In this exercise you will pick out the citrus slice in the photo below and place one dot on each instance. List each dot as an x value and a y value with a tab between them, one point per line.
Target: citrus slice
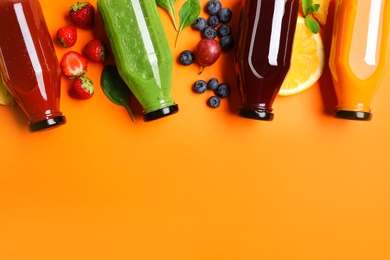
5	96
307	61
322	13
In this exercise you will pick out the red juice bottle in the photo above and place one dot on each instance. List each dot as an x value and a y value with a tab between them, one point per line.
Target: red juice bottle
28	63
263	53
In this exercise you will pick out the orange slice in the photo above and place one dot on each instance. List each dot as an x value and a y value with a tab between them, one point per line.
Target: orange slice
322	13
307	61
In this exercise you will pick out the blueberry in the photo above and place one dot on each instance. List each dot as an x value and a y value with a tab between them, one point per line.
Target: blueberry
225	15
209	32
213	21
200	86
226	42
224	30
223	90
186	57
213	7
200	24
214	102
212	84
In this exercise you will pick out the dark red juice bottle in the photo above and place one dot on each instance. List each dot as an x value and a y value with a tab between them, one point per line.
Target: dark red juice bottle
28	62
263	53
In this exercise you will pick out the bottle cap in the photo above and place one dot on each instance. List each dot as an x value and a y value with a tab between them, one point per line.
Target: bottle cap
163	112
47	123
256	114
353	115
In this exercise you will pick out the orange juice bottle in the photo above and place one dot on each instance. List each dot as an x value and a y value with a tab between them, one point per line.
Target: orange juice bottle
359	54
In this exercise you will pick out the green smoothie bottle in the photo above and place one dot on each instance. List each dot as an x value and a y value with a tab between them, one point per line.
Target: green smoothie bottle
141	52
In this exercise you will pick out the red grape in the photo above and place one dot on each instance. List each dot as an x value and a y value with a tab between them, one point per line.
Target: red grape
207	52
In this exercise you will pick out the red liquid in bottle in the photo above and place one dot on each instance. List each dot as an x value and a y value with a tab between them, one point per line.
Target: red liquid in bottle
263	53
28	63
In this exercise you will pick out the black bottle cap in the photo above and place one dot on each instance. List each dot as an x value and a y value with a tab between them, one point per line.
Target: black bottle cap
163	112
353	115
256	114
47	123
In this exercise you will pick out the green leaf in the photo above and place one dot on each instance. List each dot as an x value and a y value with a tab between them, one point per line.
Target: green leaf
115	88
316	7
309	8
306	6
169	6
313	25
188	14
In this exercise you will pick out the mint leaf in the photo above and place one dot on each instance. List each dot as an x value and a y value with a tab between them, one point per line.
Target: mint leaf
316	7
313	25
306	7
310	10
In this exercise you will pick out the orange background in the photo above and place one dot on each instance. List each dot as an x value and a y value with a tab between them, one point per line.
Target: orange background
201	184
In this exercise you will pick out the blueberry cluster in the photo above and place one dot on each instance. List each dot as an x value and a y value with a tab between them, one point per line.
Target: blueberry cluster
216	24
220	90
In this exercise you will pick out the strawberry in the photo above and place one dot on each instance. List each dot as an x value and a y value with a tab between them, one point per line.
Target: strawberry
73	64
82	88
67	35
82	14
95	50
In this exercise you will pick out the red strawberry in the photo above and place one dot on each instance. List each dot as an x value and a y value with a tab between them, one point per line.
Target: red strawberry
82	88
95	50
82	14
73	64
67	36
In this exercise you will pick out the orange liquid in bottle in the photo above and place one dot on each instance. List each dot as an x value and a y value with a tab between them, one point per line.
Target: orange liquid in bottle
359	54
28	63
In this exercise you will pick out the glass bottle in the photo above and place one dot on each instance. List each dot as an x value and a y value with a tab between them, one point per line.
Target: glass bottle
141	53
359	54
28	63
263	53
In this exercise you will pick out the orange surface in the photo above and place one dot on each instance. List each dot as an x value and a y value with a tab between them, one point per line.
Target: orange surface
202	184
